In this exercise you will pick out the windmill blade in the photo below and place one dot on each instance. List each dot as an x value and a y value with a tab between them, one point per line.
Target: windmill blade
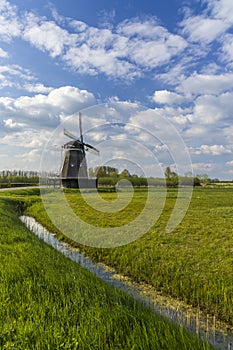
71	136
90	147
80	127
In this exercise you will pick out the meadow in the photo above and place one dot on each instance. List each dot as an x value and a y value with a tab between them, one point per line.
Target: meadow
50	302
193	263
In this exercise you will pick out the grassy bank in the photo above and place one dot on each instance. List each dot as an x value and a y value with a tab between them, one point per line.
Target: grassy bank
50	302
193	263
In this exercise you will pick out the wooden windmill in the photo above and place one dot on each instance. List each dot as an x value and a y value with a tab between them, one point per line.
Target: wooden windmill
74	172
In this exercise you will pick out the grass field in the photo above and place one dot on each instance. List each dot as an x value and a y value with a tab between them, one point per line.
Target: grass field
194	263
50	302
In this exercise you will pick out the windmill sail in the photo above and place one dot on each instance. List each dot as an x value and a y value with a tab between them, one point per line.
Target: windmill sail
80	128
71	136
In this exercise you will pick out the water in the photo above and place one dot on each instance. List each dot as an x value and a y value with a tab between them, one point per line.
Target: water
204	326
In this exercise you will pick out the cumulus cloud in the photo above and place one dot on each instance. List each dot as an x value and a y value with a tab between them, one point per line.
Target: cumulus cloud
146	36
209	30
27	123
210	109
121	53
10	124
27	138
10	25
215	150
203	167
227	48
46	35
168	97
114	51
14	76
43	110
198	84
215	20
196	131
38	88
222	9
202	29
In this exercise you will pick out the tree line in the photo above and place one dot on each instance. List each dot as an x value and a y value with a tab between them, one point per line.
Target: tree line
110	176
17	178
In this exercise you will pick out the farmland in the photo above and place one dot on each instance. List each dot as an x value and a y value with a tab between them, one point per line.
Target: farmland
50	302
194	263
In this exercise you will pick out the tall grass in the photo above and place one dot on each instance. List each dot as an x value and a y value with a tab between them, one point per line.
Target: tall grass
193	263
50	302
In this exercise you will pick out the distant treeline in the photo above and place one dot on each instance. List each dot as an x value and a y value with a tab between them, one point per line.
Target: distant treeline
144	182
18	178
109	176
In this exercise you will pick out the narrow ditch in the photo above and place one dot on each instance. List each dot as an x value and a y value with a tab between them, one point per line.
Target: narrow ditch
192	319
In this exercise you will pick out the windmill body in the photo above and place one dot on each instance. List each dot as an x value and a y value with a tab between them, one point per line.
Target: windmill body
74	166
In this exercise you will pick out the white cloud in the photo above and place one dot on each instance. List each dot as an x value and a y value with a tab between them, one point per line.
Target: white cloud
168	97
70	99
122	53
106	18
202	29
14	75
31	157
78	26
3	53
9	123
229	163
198	84
203	167
43	110
222	9
46	35
215	150
227	48
148	28
95	61
210	109
26	138
196	131
116	52
10	25
215	20
38	88
146	36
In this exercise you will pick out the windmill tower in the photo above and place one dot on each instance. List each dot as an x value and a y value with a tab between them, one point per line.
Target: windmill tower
74	166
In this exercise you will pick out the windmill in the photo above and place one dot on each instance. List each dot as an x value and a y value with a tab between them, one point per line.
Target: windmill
74	166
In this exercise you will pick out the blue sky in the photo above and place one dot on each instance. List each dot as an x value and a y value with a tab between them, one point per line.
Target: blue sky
175	58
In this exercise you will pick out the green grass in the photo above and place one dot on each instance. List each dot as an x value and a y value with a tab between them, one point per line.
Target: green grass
194	263
50	302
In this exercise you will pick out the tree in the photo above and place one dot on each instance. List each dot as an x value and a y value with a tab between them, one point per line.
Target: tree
167	173
125	173
204	179
103	171
171	177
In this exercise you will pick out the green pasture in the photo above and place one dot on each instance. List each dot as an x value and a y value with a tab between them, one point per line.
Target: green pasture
50	302
193	263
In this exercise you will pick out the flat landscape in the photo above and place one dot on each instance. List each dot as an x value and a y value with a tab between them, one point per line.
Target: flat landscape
194	263
50	302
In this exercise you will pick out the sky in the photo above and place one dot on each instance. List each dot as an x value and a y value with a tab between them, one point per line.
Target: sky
160	73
